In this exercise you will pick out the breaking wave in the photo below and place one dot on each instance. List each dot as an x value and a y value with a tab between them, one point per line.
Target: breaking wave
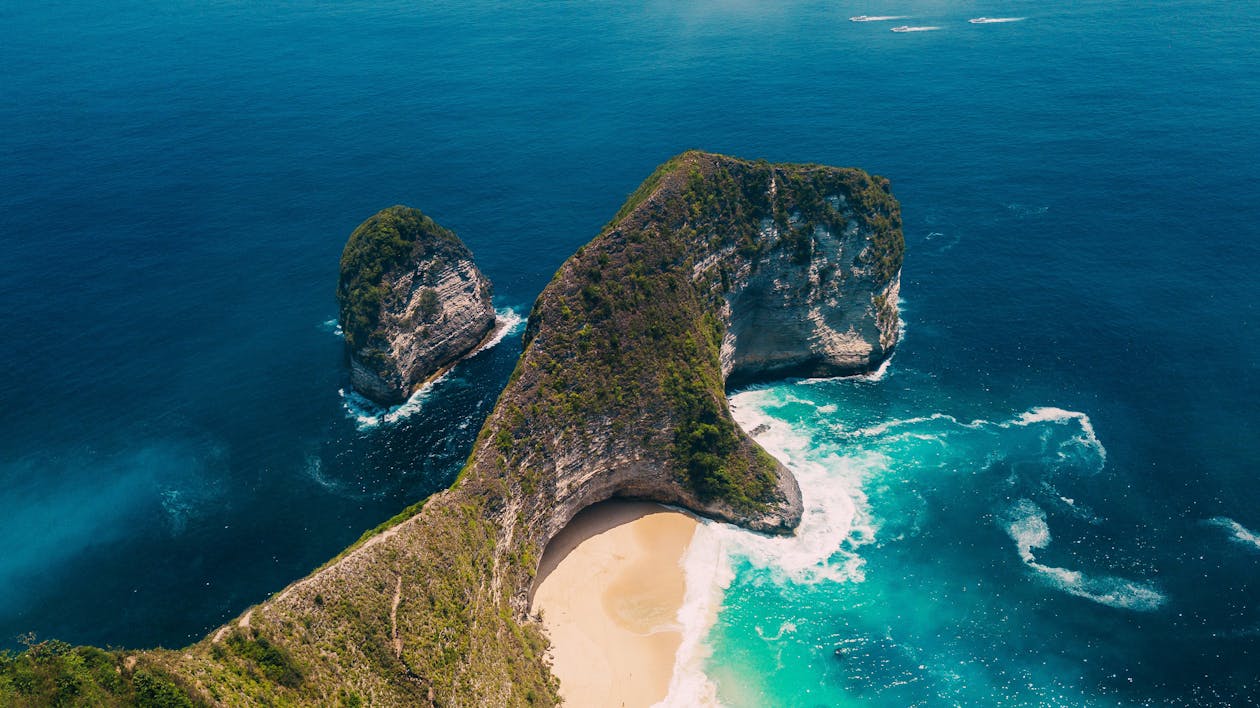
1025	523
508	322
1237	532
367	415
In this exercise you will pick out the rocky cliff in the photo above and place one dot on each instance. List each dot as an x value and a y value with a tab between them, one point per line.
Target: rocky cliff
412	303
714	268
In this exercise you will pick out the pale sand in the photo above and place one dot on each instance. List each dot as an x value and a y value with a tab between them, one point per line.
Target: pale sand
609	589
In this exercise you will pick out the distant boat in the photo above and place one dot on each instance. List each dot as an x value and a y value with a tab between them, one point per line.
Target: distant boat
978	20
907	28
992	20
875	18
902	28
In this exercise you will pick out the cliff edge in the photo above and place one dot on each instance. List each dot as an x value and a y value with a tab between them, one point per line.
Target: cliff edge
716	269
412	303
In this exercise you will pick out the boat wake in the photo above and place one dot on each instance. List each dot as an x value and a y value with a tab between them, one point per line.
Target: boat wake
877	18
993	20
906	28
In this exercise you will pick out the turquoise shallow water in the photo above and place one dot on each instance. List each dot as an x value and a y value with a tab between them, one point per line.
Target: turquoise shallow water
1079	191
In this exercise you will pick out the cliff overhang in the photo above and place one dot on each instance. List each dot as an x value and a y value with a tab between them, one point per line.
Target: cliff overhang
716	270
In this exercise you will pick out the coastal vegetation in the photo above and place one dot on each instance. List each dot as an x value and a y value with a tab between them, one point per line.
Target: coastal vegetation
620	391
379	245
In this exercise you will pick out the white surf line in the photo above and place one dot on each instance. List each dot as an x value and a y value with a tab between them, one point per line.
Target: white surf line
1238	533
507	321
368	414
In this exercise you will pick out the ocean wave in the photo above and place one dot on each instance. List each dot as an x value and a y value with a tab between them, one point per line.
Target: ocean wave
942	241
835	523
313	468
1026	524
835	520
1238	533
838	521
508	322
708	573
367	414
1088	437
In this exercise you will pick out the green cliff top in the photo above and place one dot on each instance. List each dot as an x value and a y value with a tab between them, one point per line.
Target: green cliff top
621	379
390	239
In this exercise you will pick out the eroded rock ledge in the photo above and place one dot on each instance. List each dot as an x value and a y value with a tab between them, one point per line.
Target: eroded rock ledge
412	303
715	269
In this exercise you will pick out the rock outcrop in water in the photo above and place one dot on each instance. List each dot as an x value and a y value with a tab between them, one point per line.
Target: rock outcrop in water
412	303
716	268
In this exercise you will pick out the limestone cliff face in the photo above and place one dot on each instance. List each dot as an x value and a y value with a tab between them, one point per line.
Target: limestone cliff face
724	271
715	268
412	303
831	314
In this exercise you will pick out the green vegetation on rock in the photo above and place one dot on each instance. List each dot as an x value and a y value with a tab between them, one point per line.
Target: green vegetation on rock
384	242
53	673
620	391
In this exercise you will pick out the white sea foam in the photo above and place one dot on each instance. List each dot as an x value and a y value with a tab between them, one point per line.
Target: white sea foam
1087	439
1238	533
835	523
508	322
1025	523
708	573
313	467
835	519
333	327
1024	211
869	377
943	241
367	414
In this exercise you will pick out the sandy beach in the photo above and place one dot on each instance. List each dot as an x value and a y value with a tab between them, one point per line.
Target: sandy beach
609	589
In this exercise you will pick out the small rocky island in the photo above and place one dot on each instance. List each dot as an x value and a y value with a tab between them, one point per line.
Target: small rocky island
412	303
715	270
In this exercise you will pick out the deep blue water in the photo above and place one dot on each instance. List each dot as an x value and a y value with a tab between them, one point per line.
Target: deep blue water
1081	196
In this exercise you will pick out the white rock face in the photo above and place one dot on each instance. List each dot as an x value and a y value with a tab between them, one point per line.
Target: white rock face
413	300
832	316
440	312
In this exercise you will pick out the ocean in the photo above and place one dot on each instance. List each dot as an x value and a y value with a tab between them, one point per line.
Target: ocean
1048	496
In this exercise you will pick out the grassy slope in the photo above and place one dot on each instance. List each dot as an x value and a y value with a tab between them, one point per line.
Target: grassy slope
622	347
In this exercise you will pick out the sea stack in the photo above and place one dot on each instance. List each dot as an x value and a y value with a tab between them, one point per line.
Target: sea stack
715	269
412	301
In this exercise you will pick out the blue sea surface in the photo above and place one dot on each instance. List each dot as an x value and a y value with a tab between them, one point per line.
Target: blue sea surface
1050	497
